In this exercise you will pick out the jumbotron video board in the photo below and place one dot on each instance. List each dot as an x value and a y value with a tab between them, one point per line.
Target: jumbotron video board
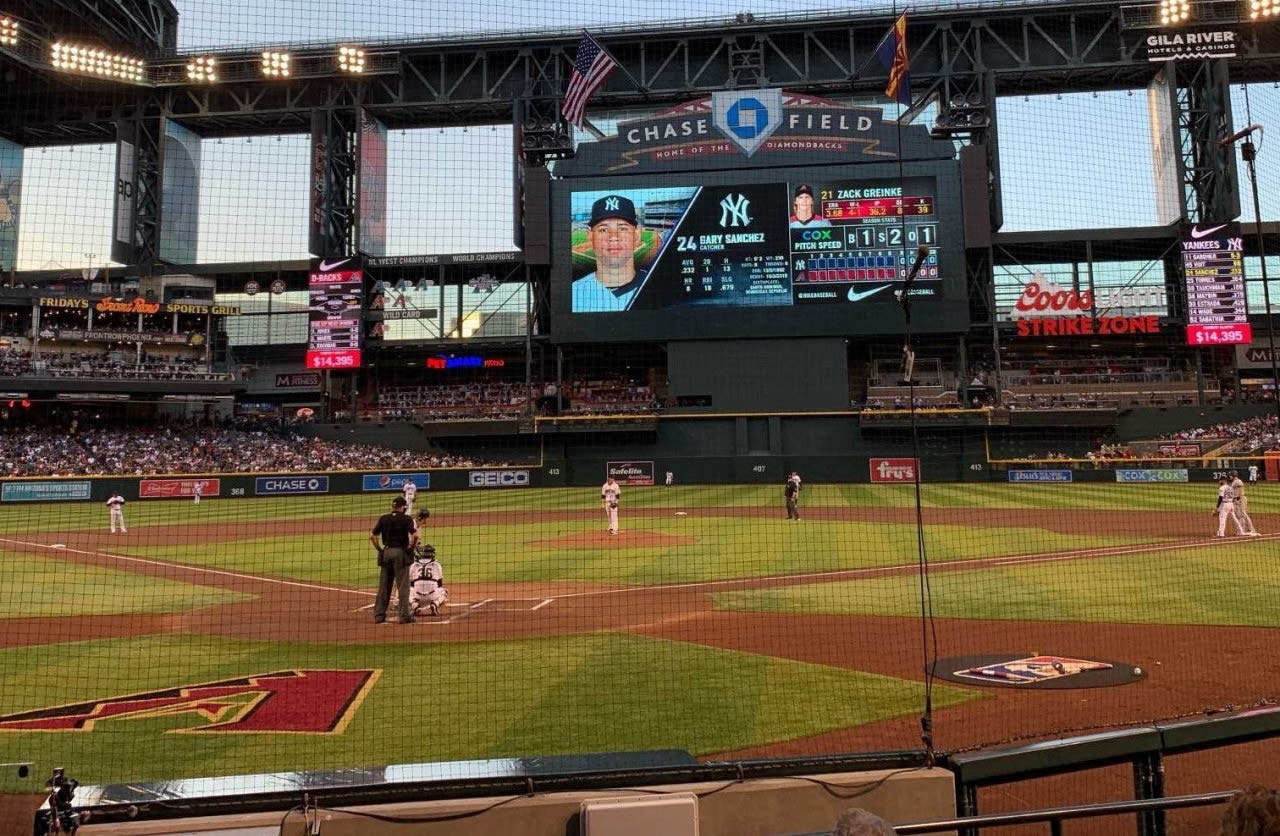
759	253
335	311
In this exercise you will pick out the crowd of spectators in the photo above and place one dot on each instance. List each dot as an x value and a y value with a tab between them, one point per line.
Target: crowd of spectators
104	365
1254	433
91	451
503	400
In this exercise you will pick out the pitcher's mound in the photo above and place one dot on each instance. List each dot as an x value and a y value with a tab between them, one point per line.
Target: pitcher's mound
604	540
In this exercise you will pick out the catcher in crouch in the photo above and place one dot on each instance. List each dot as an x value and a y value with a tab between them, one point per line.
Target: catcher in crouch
426	582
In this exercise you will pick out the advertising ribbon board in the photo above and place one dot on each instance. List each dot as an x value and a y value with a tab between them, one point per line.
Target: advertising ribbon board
269	485
1040	476
178	488
45	491
630	473
395	481
1158	475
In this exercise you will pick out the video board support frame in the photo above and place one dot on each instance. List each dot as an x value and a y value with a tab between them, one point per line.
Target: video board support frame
333	194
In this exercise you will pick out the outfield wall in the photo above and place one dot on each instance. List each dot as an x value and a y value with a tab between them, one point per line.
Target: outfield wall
631	471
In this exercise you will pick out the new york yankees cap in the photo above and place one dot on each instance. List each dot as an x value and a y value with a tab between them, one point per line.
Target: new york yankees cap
613	206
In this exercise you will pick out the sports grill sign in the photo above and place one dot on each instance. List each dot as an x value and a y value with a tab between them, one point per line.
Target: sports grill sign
1047	310
630	473
893	470
268	485
498	479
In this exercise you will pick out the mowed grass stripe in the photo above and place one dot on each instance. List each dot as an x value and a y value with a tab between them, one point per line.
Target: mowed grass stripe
548	696
720	548
35	586
1235	584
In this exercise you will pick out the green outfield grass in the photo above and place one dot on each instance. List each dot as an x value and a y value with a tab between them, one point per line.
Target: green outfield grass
723	548
32	586
1236	583
35	518
564	695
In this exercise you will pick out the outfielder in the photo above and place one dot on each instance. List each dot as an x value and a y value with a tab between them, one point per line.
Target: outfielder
196	490
1241	506
1226	507
791	492
1253	474
609	493
410	492
426	582
116	505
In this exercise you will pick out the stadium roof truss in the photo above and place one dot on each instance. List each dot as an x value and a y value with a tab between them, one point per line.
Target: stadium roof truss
1029	48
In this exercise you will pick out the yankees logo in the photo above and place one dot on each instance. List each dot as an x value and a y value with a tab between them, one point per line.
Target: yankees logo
611	204
733	210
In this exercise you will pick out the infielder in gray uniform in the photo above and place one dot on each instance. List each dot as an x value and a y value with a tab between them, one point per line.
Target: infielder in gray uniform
1241	506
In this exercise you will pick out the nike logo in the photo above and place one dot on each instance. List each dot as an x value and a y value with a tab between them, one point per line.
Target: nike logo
326	266
1197	232
855	296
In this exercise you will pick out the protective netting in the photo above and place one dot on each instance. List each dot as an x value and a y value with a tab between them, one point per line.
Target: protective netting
676	525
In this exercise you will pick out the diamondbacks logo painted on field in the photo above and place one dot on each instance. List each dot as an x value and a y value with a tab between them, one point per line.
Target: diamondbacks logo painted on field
283	702
1031	670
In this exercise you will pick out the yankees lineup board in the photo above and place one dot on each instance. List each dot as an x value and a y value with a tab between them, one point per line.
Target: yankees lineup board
819	251
1213	265
333	322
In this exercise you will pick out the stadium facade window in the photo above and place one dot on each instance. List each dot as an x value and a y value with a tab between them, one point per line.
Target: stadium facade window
266	318
1253	286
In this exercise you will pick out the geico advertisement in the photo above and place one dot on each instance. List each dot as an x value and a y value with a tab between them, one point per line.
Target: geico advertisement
498	479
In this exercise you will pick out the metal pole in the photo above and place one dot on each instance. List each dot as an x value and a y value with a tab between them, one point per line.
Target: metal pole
528	340
1250	153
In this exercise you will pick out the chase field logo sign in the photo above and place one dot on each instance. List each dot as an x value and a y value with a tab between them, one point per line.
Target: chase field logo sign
747	118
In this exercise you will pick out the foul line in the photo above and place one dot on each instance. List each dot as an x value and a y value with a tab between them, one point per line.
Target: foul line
986	562
175	565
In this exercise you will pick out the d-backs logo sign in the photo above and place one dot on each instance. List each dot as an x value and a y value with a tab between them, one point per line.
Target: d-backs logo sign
1040	671
289	701
763	126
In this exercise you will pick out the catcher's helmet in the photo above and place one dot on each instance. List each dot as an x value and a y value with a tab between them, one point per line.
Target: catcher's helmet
428	551
423	514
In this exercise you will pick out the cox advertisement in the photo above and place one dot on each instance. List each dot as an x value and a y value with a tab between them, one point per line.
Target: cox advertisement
499	479
630	473
44	491
178	488
396	481
269	485
893	470
1039	475
1159	475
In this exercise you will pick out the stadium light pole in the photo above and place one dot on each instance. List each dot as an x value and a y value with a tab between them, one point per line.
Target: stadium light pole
1249	153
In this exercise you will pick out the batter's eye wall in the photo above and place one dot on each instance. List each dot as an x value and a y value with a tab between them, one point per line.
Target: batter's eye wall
760	375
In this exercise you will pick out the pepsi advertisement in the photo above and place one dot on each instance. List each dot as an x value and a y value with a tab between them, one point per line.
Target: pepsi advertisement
817	252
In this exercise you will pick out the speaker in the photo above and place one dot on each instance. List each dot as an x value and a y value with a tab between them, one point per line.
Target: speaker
537	216
976	193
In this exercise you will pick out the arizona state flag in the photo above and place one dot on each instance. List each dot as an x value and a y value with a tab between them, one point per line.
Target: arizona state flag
892	55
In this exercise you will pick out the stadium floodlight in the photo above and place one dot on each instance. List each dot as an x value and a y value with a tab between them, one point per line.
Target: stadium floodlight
275	64
99	62
1262	9
351	59
203	68
1174	12
8	31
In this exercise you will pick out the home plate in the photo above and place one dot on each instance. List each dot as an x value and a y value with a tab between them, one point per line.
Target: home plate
58	546
682	513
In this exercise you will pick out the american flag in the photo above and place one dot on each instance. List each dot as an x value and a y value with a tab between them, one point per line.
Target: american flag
591	68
